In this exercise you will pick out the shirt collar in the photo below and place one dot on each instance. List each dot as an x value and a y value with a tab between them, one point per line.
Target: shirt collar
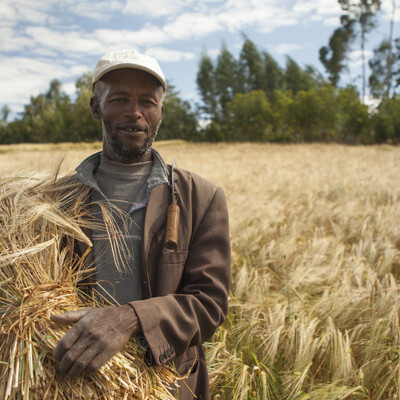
85	172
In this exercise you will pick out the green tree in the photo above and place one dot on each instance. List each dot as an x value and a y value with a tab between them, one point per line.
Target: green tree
179	120
47	116
354	120
313	115
83	126
386	122
281	109
274	77
207	87
4	113
333	57
226	82
249	117
364	13
385	69
379	64
251	67
297	79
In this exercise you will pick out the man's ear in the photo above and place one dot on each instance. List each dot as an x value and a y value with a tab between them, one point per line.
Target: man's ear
95	107
162	109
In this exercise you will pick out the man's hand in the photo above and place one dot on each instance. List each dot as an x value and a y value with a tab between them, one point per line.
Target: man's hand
97	335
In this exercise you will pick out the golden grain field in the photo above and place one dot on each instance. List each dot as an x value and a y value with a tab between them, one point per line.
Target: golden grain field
314	310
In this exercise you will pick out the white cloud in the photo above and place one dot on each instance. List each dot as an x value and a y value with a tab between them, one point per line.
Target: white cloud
321	7
287	48
331	21
99	10
43	52
262	16
8	13
22	76
355	57
155	8
148	36
192	26
66	42
166	55
13	40
69	88
41	12
214	53
32	11
305	7
387	10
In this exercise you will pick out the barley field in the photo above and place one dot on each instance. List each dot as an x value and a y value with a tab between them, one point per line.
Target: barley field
315	297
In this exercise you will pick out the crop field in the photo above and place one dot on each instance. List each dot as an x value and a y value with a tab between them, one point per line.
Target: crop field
315	296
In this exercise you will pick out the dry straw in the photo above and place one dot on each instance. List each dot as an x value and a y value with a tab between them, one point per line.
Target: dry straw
40	276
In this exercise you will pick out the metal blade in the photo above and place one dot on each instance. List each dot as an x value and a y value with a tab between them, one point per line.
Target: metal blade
172	178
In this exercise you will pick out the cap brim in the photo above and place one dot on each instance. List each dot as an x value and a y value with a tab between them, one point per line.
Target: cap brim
132	66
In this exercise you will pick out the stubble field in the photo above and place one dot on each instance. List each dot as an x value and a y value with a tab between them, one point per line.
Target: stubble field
315	229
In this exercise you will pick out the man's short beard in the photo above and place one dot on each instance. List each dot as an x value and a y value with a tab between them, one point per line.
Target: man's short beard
123	152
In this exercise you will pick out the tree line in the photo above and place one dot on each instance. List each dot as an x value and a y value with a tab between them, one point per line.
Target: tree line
252	98
53	117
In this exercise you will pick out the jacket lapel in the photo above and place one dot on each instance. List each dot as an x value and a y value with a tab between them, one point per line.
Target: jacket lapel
156	215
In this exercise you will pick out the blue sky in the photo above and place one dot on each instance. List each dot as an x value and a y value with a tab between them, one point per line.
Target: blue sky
46	39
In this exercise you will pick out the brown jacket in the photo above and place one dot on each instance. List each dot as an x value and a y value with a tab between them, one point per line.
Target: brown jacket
185	291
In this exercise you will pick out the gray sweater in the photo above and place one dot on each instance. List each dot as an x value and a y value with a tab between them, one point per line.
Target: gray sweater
124	190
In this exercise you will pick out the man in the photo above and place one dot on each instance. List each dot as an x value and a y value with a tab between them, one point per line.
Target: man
174	299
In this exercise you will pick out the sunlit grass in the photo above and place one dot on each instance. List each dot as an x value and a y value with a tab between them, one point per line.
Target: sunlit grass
315	229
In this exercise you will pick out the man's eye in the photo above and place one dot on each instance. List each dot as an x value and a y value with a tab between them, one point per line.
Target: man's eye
147	101
119	100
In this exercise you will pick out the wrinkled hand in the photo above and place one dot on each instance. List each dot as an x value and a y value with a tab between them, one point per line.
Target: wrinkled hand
97	335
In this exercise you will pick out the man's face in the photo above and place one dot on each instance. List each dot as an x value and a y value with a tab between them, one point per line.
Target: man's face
130	108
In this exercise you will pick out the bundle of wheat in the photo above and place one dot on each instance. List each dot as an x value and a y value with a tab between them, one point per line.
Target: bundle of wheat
40	276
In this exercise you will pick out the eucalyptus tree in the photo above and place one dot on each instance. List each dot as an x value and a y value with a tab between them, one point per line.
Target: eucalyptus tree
274	76
297	79
364	13
251	67
206	85
226	78
384	64
333	57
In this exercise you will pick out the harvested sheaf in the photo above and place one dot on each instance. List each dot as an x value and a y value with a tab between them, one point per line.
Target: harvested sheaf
40	276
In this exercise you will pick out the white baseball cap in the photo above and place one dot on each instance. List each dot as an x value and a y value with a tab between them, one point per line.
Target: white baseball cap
127	59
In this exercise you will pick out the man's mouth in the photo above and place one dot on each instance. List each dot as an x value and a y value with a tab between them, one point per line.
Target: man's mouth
132	128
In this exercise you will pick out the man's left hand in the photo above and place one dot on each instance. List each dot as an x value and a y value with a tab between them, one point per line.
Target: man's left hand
97	335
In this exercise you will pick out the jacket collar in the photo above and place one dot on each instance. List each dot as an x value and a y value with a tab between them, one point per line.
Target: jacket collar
85	172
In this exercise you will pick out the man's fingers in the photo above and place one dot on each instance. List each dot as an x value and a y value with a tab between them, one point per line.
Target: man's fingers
70	357
80	363
96	363
97	334
69	317
69	340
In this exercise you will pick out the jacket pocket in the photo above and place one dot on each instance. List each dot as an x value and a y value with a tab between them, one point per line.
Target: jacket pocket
170	271
173	257
187	365
187	362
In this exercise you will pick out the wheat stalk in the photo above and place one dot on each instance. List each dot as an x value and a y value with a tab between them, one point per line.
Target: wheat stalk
40	276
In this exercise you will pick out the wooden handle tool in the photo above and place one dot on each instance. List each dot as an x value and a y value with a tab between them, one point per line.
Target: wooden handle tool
171	236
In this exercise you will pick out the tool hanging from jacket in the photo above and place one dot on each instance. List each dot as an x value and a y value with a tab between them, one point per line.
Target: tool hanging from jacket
171	236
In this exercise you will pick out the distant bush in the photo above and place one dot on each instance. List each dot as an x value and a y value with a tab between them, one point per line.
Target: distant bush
386	122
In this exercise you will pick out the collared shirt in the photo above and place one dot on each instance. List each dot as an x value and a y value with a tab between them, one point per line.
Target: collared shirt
117	255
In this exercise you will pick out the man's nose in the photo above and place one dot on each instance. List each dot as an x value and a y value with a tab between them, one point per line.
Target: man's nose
133	109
